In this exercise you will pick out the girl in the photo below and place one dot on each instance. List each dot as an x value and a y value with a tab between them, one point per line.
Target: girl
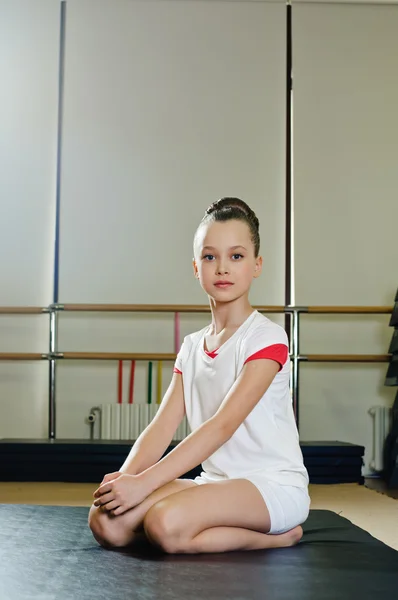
232	381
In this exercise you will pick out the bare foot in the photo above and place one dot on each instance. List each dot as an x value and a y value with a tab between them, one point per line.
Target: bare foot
290	538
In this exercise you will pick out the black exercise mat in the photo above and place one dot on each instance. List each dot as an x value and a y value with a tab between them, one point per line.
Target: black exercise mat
48	553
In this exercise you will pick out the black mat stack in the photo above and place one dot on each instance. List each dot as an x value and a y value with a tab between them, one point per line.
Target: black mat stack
89	460
391	445
333	462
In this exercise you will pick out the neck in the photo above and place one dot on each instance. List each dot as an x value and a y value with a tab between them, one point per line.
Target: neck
229	315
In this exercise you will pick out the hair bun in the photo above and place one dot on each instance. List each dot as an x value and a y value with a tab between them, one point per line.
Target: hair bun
228	203
225	204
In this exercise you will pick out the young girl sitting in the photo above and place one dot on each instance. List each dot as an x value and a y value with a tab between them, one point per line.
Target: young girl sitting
231	379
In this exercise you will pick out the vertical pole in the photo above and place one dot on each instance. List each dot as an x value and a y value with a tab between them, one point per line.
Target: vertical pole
149	399
53	310
59	149
295	352
52	377
288	182
177	334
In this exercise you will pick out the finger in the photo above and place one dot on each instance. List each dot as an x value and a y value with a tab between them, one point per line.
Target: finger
103	489
104	499
97	492
110	477
111	506
119	511
113	474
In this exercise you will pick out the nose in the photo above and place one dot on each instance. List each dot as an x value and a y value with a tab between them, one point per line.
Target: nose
222	269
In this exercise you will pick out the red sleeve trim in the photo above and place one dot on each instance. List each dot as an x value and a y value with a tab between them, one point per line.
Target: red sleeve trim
277	352
175	370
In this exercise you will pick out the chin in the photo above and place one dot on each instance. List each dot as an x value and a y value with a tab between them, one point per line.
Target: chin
225	297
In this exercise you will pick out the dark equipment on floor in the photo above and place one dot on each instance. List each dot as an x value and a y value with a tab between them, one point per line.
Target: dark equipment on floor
391	442
394	314
391	450
48	553
88	460
393	349
392	371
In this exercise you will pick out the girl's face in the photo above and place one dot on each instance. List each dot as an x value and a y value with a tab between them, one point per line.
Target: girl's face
224	260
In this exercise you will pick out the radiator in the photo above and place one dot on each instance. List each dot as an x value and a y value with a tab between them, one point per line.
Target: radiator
382	418
128	421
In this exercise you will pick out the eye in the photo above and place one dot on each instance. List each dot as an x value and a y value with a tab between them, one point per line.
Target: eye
208	257
237	256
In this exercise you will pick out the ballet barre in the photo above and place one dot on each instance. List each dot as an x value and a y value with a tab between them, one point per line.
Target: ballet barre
151	308
23	310
346	358
54	354
114	356
22	356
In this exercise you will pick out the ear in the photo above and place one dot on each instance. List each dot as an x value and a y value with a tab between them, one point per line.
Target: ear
195	268
258	267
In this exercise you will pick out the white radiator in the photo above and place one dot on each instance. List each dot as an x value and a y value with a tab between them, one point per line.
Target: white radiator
128	421
382	417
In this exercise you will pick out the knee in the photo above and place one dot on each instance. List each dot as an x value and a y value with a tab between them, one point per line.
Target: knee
162	528
103	529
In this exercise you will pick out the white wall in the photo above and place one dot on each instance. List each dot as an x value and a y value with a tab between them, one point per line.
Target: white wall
153	120
158	122
345	182
29	41
168	106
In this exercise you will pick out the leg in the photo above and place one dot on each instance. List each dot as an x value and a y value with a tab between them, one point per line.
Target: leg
125	529
227	539
214	517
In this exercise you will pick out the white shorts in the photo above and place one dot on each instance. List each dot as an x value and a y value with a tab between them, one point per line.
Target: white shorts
288	505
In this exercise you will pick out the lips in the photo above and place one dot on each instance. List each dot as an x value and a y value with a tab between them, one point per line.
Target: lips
223	284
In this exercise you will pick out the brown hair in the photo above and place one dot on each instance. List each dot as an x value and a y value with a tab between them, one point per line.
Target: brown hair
227	209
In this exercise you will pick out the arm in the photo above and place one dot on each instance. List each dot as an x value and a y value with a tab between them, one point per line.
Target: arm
155	439
251	385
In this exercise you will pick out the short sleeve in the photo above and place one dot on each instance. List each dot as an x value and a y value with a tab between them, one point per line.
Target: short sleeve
179	361
268	341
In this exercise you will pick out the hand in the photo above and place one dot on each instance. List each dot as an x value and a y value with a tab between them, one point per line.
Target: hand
111	476
119	495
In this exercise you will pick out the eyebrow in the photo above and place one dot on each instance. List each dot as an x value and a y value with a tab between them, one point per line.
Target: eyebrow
231	248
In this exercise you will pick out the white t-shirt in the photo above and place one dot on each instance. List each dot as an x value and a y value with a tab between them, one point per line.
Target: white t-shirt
267	441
